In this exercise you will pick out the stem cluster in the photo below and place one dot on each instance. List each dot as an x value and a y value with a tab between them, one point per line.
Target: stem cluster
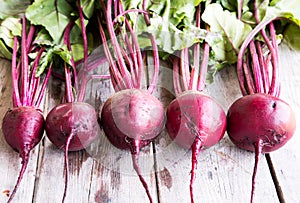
257	65
125	57
25	84
187	75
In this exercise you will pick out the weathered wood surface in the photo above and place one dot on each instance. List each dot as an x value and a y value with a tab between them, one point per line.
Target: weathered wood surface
104	174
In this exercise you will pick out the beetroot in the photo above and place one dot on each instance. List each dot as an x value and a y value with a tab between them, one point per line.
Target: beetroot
132	117
23	129
260	121
73	126
23	125
194	120
77	120
260	118
132	114
194	115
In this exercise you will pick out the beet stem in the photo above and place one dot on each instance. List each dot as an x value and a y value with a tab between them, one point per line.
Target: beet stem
258	151
136	49
135	151
195	69
255	67
176	77
275	58
69	92
240	9
30	37
203	68
263	67
117	81
156	66
133	66
34	80
243	48
24	58
70	137
22	171
184	68
85	53
116	45
196	149
67	39
43	88
16	94
146	16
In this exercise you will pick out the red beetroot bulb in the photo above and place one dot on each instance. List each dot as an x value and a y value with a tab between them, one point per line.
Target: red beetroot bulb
260	118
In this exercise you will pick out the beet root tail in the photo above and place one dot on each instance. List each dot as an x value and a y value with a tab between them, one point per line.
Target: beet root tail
258	152
196	148
135	151
70	137
24	163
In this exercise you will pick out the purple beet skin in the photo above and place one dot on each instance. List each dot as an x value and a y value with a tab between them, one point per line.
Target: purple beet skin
132	114
260	118
77	120
194	114
23	128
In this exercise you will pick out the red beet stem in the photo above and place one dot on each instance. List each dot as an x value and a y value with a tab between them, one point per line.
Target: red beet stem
116	45
203	68
70	137
196	148
15	87
146	16
136	47
240	61
25	66
240	9
176	77
156	66
85	53
118	82
24	163
258	151
135	151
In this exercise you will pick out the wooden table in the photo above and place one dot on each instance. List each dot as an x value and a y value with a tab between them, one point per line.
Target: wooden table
106	174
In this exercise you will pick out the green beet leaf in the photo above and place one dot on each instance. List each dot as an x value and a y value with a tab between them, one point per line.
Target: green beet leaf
16	8
53	15
233	32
